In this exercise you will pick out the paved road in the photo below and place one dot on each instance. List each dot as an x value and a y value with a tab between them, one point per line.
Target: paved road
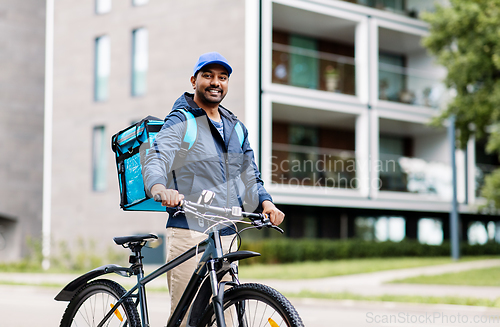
22	306
376	283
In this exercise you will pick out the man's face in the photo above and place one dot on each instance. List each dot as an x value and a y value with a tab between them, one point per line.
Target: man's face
210	84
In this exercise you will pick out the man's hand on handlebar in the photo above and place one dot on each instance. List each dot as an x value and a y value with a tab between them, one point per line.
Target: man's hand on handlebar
169	197
276	216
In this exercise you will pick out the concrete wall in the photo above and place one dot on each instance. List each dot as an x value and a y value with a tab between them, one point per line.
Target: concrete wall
22	64
179	31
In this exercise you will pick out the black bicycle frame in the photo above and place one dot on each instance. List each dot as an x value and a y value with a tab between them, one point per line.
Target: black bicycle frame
212	250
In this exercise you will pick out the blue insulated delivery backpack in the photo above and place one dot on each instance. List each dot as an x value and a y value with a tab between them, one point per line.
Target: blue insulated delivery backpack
130	146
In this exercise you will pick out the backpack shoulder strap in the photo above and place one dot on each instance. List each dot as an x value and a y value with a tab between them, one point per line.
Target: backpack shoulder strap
240	133
190	134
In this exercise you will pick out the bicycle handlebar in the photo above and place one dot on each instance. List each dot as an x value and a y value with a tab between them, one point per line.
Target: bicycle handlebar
258	219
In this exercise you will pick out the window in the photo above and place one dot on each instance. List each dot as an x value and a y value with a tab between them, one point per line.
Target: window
304	68
392	177
303	161
312	63
139	61
99	162
139	2
102	68
390	229
430	231
102	6
392	79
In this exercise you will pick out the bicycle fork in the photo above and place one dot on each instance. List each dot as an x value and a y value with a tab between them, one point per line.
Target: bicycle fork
218	294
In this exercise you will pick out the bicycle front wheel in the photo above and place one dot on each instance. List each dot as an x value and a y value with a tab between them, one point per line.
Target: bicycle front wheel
254	305
91	303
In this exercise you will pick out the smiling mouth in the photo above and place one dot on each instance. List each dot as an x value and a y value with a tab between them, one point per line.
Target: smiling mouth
214	91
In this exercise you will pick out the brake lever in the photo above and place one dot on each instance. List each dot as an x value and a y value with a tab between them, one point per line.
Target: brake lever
277	228
267	223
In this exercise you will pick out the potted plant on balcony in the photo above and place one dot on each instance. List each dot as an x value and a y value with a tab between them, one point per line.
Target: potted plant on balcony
331	78
406	96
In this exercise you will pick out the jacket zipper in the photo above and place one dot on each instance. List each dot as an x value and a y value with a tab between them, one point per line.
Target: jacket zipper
226	161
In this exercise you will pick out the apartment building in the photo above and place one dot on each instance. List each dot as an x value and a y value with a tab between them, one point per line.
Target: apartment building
337	96
22	44
347	95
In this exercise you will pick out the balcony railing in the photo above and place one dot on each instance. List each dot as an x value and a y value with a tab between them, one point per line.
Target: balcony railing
414	175
410	86
313	69
297	165
398	6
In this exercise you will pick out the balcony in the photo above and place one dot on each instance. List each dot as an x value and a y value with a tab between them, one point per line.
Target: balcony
313	50
311	166
320	154
409	86
415	175
312	69
406	73
415	158
409	8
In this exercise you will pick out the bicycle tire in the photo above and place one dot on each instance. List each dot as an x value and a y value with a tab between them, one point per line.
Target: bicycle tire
258	306
91	303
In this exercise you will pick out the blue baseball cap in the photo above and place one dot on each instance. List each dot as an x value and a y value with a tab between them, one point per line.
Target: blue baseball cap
212	58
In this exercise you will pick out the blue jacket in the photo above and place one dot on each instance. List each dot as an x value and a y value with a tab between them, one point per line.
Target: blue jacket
224	166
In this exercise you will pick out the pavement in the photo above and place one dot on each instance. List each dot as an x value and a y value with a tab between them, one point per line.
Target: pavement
41	310
376	283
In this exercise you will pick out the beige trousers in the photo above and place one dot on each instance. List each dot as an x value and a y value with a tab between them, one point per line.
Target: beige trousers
179	241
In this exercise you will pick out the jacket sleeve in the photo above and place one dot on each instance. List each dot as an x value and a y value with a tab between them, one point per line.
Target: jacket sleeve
160	158
254	185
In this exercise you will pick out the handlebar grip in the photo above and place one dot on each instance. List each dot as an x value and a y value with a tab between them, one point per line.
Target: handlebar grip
157	197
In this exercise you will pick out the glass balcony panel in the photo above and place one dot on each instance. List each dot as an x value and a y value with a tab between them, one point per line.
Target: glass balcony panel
410	8
409	86
414	175
297	66
312	166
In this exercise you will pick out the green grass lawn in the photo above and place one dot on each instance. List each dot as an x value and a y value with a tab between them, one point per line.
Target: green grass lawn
307	270
400	298
476	277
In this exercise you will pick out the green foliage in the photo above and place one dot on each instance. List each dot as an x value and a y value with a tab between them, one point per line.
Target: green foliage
299	250
484	302
81	258
31	262
85	256
465	38
341	267
491	189
474	277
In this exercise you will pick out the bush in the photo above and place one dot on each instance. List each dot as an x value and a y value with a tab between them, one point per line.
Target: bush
296	250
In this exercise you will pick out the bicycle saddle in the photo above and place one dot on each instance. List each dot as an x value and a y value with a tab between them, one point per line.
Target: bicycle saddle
120	240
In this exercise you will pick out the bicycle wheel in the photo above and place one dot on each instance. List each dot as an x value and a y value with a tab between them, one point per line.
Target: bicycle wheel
254	305
91	303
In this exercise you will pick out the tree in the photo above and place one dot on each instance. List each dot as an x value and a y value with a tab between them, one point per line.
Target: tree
465	38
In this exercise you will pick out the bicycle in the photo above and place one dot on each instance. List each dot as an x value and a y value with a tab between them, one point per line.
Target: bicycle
102	302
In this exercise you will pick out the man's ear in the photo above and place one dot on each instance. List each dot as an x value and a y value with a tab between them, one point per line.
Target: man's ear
193	81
